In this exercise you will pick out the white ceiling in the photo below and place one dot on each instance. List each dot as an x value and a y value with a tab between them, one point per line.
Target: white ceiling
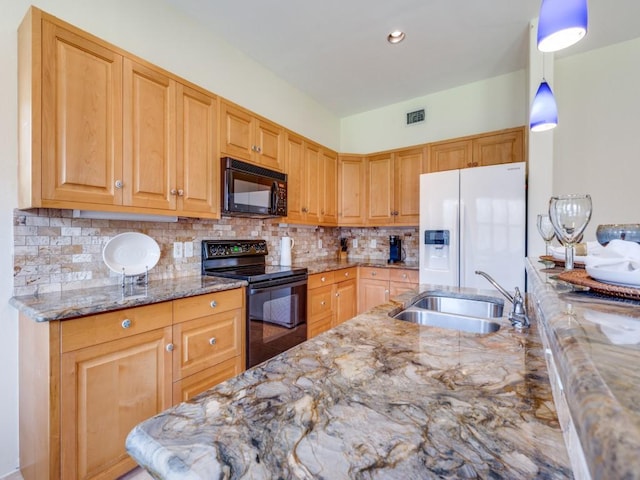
336	50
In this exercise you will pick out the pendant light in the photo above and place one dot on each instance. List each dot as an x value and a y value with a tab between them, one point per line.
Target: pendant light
561	24
544	111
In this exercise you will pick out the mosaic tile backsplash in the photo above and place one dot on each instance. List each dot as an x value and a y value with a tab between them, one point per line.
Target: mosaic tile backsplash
54	251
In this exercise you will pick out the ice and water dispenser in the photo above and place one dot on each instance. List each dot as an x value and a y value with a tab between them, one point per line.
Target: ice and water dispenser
436	249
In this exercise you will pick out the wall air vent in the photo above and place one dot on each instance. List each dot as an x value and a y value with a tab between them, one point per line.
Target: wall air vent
416	116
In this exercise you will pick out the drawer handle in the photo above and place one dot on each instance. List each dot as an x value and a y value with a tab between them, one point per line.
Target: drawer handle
212	341
213	304
170	347
126	323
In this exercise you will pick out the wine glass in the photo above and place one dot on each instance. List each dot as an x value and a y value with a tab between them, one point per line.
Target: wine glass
546	231
569	216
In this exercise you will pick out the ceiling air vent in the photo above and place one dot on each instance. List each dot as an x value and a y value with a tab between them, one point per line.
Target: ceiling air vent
416	116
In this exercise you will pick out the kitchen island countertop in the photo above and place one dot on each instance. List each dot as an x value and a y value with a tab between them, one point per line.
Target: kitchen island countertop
372	398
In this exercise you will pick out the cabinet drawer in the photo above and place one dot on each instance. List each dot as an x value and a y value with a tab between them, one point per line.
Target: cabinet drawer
318	325
207	341
320	279
346	274
401	275
192	385
95	329
375	273
203	305
320	301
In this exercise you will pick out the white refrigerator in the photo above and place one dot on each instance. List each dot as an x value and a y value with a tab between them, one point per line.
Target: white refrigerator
473	219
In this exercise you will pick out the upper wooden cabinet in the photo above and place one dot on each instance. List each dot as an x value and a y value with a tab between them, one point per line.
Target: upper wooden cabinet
311	182
249	137
103	130
504	146
393	187
351	190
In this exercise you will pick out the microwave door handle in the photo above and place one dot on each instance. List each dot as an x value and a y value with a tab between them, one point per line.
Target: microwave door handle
274	197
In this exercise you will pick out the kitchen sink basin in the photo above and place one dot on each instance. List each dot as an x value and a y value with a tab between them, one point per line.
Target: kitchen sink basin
447	320
462	304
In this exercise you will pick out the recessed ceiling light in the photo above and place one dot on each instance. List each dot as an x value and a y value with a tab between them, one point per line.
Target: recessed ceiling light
395	37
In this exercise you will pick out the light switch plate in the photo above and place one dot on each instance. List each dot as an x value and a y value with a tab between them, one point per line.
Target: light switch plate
177	249
355	243
319	243
373	243
188	249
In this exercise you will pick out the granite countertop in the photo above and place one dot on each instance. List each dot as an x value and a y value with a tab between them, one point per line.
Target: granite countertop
88	301
595	342
334	264
372	398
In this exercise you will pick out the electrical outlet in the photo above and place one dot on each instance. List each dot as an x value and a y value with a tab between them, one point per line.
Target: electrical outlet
373	243
188	249
319	243
177	249
354	243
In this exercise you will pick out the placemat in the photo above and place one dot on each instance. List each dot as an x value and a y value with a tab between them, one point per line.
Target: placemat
558	262
580	277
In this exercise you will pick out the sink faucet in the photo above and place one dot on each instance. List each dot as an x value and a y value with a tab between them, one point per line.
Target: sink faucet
517	315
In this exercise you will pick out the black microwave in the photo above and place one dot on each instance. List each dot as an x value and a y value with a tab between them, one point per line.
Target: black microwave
252	191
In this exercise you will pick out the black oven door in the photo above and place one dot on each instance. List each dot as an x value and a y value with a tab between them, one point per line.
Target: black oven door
276	317
249	194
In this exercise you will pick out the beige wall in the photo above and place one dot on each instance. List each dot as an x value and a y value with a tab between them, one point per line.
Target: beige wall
597	141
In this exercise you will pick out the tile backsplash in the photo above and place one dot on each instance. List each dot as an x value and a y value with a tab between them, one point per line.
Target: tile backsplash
54	251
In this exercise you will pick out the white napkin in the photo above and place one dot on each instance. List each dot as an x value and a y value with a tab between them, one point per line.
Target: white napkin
619	255
619	329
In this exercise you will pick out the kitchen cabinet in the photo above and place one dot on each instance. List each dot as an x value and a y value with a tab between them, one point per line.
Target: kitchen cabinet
246	136
331	299
504	146
99	128
86	382
393	187
377	284
352	190
311	182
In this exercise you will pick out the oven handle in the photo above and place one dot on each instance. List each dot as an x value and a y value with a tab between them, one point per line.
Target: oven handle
268	285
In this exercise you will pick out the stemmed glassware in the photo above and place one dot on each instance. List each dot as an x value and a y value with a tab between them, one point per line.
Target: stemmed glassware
569	215
546	231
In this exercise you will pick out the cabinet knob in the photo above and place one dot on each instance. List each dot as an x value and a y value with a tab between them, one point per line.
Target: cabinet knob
173	191
386	292
337	294
213	304
404	275
119	184
126	323
180	192
212	341
322	279
323	303
374	274
346	274
170	347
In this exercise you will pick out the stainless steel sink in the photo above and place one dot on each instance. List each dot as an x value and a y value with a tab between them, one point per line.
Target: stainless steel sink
462	304
447	320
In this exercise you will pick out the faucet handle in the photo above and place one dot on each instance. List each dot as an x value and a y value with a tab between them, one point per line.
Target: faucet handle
518	316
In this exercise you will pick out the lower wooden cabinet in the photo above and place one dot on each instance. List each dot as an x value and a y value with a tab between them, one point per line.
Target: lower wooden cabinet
331	299
377	284
86	382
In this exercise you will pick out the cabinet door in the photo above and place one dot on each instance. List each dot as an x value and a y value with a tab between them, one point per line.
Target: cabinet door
329	188
351	190
346	301
107	389
296	178
81	119
450	155
507	147
380	189
408	165
198	167
207	341
313	183
372	293
268	149
149	163
236	127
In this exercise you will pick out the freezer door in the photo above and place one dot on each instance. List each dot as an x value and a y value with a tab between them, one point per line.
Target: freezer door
439	193
492	225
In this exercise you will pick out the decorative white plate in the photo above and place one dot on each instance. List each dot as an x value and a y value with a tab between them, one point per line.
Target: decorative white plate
623	273
131	253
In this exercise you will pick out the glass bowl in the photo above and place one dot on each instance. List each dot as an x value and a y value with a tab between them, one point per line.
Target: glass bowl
618	231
